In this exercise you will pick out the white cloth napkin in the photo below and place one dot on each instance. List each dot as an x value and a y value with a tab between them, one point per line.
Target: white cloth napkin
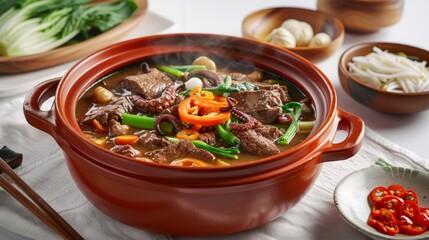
44	169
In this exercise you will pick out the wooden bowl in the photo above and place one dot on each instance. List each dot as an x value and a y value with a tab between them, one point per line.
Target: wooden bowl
380	100
364	16
260	23
65	54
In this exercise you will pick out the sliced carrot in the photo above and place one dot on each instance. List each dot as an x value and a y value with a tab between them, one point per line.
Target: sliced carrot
126	139
98	126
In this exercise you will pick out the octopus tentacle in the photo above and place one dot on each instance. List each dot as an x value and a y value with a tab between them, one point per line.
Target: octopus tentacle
177	124
144	67
249	122
165	101
231	103
285	118
214	79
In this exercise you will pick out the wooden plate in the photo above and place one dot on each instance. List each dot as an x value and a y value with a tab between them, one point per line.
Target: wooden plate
64	54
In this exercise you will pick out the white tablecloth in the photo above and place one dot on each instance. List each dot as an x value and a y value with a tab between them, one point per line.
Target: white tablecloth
44	169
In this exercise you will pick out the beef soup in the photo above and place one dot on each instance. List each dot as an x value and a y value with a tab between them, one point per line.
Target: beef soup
195	111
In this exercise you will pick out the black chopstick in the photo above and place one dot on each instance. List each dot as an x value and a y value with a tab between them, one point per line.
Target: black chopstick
36	205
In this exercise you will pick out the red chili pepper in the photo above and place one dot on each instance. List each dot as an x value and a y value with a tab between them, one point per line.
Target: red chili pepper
419	226
411	210
392	203
386	223
395	210
411	195
378	193
397	190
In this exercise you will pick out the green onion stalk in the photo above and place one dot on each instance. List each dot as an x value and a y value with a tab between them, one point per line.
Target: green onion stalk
145	122
189	68
171	70
224	152
294	109
227	136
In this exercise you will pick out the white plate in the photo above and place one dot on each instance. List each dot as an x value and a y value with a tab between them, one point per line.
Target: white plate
351	194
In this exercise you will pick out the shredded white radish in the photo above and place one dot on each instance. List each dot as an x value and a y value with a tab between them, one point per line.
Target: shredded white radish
390	72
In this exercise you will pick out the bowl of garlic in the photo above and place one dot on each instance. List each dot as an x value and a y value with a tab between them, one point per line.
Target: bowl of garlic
312	34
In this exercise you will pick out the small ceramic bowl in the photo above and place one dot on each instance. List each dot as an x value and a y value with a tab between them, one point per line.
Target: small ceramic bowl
259	24
364	16
380	100
351	194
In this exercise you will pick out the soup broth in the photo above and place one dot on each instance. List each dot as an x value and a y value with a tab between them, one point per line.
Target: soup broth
195	111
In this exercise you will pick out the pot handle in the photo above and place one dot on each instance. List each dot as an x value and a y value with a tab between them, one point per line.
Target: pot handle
38	118
347	148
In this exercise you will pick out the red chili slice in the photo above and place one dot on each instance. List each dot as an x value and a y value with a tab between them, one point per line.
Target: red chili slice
410	209
386	223
425	213
419	226
378	193
411	196
397	190
392	203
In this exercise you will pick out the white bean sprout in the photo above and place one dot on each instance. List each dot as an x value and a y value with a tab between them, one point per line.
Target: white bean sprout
390	72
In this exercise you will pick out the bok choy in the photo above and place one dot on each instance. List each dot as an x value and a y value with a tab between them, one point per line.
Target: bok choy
35	26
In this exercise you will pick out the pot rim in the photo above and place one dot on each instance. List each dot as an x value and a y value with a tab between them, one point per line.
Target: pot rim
72	130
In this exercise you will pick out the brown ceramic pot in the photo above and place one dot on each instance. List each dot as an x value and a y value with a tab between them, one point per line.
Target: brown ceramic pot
193	201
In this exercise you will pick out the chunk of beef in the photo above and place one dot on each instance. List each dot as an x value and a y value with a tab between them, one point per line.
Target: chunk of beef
116	128
126	150
264	105
271	133
209	138
259	100
253	142
113	110
267	116
150	85
149	140
183	149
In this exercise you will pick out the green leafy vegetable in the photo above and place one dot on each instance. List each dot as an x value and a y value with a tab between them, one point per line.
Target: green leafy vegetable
171	70
221	89
31	26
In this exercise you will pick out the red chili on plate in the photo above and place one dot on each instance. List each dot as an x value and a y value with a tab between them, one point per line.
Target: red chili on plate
395	210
